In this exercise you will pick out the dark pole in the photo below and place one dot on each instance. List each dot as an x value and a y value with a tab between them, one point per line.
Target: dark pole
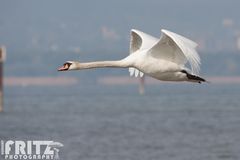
2	57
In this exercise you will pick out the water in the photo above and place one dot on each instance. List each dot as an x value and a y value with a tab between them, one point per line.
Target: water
170	122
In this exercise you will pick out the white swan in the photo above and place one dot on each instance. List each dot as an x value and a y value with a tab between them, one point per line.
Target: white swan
163	58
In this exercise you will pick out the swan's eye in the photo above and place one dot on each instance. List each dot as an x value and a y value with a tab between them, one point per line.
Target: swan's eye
67	65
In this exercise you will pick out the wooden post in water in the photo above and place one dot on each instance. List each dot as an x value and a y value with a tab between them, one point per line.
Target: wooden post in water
2	58
141	86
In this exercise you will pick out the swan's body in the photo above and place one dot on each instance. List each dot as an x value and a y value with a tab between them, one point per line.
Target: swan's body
163	58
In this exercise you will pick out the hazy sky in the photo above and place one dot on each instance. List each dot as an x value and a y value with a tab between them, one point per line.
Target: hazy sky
106	24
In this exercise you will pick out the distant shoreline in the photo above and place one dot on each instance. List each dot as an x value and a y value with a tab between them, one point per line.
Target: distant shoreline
39	81
109	80
125	80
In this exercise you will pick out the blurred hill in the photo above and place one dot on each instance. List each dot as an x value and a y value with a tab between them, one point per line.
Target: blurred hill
46	63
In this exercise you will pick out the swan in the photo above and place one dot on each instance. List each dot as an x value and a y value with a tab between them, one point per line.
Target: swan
162	58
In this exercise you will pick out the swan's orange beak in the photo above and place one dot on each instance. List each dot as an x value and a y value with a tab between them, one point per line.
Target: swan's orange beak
63	68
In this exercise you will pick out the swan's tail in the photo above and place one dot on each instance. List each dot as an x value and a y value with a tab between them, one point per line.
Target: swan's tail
193	78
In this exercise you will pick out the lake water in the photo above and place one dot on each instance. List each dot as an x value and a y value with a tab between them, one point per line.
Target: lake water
169	122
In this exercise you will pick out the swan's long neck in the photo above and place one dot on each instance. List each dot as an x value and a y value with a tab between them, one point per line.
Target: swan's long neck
101	64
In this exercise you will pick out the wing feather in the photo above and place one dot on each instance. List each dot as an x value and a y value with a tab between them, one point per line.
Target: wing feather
178	49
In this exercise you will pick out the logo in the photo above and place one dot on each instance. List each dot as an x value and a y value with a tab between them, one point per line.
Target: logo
30	150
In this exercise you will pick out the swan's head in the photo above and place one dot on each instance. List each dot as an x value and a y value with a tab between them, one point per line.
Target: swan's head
69	65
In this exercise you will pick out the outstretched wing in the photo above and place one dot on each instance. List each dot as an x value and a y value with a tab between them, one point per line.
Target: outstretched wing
140	41
177	49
